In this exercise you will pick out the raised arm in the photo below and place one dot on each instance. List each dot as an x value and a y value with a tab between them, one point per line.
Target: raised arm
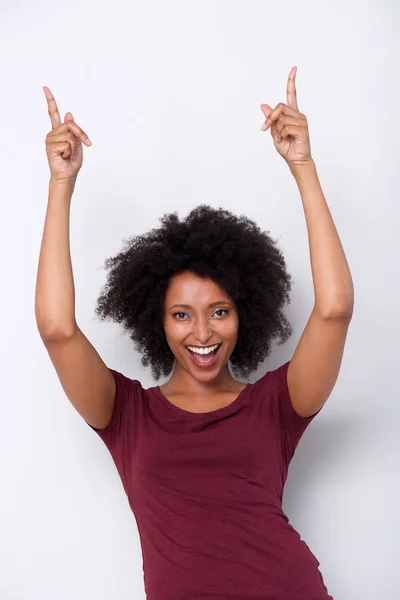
315	364
86	380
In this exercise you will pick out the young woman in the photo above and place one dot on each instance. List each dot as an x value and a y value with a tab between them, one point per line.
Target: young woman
203	458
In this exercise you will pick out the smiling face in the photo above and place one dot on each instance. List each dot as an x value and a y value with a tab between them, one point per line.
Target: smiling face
199	314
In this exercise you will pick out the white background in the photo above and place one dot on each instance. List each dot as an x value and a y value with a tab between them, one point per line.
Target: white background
170	94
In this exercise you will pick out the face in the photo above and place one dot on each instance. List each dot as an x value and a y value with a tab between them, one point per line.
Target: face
199	315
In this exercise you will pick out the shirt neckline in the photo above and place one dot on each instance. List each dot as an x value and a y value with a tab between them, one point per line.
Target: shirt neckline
218	412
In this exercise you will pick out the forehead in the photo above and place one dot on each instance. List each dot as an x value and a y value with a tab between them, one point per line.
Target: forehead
189	288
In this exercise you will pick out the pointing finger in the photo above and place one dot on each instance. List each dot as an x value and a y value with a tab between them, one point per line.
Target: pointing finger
291	89
52	108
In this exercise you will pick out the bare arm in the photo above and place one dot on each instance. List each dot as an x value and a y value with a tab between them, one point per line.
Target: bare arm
55	291
315	364
85	378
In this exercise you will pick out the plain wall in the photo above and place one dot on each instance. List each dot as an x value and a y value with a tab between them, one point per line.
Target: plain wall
170	94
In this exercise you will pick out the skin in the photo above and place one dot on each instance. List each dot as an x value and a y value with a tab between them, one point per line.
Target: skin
315	364
64	143
190	387
198	324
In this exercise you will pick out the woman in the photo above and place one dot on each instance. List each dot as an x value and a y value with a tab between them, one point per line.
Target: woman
204	458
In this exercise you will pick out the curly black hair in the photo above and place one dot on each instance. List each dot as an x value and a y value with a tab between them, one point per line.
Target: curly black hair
232	251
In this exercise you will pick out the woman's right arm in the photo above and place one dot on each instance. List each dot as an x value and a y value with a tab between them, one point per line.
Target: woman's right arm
55	292
87	381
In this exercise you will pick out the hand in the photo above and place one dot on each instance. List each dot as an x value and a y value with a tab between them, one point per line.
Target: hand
64	143
289	127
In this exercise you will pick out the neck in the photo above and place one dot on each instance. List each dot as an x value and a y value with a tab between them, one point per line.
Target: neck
181	381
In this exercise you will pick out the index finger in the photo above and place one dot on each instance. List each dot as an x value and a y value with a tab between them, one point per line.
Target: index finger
53	108
291	89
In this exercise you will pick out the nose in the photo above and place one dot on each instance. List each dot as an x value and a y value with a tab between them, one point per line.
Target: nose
201	330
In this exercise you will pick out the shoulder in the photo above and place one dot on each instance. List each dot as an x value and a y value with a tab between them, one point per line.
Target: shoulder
274	379
126	385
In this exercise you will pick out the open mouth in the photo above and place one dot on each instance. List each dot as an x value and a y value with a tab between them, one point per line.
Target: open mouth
204	360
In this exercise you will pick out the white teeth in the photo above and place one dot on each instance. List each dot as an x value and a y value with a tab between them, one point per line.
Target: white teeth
203	350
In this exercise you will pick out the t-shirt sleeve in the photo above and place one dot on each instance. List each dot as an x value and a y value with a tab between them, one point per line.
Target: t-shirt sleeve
115	434
291	424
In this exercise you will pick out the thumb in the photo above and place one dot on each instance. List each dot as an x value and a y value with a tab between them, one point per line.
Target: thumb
266	109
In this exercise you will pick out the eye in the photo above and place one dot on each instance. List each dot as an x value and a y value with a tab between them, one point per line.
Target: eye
223	310
179	313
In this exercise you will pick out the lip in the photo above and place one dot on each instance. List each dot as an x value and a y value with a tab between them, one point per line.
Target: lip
204	365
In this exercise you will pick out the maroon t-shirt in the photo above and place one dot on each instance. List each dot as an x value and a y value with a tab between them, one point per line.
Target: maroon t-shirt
206	491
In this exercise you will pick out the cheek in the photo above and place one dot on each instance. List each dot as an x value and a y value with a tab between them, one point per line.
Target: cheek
174	332
229	329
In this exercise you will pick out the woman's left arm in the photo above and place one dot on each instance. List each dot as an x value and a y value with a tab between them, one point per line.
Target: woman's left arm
315	364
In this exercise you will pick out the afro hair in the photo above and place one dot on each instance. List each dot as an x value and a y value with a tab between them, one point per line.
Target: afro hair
232	251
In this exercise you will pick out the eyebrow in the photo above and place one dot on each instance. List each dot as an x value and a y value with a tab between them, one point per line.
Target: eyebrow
219	302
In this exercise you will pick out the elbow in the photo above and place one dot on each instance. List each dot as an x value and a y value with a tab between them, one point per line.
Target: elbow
339	311
341	308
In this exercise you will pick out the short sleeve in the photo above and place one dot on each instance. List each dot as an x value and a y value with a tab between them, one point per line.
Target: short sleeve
123	412
292	425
